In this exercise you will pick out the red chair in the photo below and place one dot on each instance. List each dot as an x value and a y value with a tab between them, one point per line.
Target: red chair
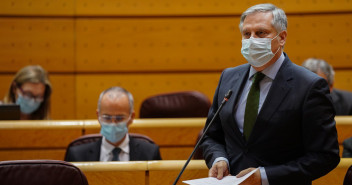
185	104
34	172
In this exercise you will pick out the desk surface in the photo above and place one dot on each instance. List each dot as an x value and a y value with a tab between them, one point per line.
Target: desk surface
165	171
112	166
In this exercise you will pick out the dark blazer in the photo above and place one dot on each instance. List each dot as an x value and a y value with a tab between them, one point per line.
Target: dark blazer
347	148
342	101
140	150
294	136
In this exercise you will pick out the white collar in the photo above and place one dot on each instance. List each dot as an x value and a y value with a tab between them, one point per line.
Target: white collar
270	71
124	146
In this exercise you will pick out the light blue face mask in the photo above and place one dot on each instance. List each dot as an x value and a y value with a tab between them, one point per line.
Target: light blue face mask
27	105
114	132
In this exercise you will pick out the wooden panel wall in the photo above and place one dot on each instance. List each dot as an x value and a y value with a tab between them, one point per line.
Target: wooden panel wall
32	40
156	7
152	46
157	44
140	85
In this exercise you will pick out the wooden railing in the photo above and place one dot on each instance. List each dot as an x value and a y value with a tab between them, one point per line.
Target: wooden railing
49	139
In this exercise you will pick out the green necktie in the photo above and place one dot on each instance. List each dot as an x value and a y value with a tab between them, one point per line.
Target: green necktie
252	105
115	154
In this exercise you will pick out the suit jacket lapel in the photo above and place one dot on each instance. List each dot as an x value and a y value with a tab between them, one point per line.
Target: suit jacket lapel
238	82
279	89
94	153
133	150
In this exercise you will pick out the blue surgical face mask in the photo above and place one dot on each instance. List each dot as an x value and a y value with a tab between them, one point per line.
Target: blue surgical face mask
257	51
114	132
27	105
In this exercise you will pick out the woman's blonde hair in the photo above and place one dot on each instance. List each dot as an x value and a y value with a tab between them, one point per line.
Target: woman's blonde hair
32	74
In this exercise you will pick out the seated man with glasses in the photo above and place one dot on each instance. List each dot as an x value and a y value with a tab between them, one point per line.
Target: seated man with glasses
115	113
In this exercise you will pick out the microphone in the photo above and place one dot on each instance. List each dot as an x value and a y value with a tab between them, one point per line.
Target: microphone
226	98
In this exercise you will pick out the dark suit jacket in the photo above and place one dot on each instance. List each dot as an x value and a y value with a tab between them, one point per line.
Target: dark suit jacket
347	148
342	101
294	136
140	150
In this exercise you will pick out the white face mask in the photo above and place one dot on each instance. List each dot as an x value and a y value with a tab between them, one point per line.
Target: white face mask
257	51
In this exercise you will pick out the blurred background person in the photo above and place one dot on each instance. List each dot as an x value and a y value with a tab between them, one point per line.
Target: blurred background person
342	100
31	90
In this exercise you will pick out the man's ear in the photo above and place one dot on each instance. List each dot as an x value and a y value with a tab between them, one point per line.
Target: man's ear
331	87
283	36
133	114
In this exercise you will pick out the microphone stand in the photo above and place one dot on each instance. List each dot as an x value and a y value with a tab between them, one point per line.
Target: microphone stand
226	98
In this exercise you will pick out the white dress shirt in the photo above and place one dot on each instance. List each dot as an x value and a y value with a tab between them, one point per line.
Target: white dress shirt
106	150
265	84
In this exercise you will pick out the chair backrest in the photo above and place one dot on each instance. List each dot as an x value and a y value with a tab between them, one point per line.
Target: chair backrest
348	177
89	138
34	172
184	104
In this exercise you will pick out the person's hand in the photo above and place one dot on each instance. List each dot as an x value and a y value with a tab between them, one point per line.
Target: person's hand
219	170
254	179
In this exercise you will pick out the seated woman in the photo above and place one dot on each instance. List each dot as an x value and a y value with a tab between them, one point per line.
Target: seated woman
31	89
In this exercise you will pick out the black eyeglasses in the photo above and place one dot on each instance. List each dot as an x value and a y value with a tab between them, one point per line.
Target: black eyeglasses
29	95
113	119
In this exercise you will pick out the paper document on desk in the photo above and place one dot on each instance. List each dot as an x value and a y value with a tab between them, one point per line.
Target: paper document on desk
227	180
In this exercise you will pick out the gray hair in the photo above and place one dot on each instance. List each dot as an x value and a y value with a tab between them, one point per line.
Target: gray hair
117	90
279	17
315	65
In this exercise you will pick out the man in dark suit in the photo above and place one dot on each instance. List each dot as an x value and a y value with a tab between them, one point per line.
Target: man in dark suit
115	113
281	122
342	100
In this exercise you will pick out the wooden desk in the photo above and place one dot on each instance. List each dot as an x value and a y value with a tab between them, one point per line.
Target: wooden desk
336	176
176	137
37	139
117	173
165	172
141	172
344	129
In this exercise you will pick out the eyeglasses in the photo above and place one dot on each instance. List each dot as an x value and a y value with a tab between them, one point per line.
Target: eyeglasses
29	95
113	119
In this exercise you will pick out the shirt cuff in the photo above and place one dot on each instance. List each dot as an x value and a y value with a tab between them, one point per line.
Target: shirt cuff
221	159
263	176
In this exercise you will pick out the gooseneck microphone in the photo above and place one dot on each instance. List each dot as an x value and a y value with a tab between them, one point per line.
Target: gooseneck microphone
226	98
